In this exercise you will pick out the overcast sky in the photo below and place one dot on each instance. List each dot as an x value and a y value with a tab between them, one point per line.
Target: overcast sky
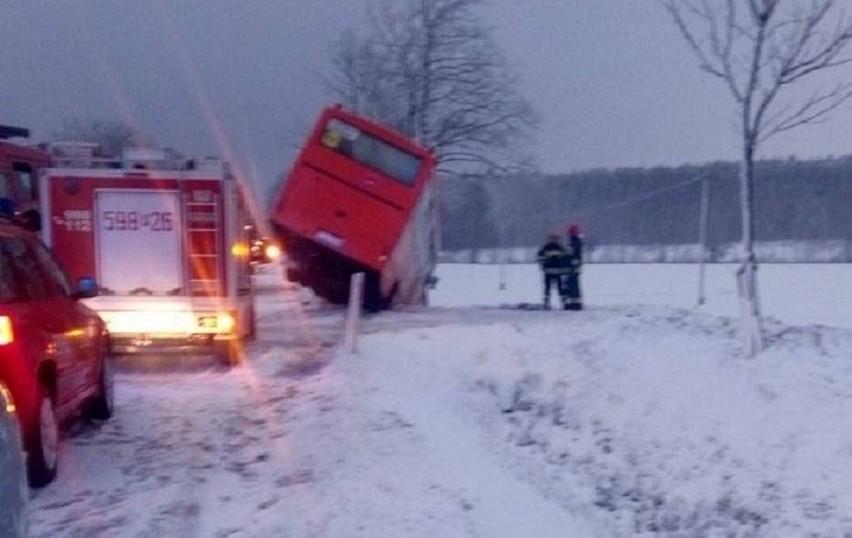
612	79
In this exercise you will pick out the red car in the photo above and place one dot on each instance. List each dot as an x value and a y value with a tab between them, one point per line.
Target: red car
54	350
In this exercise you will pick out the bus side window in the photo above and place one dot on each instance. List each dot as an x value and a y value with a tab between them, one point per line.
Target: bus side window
26	181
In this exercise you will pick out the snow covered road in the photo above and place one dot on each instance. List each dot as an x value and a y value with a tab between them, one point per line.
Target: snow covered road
291	444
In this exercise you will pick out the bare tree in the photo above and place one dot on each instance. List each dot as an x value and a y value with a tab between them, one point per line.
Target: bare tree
759	49
112	136
431	69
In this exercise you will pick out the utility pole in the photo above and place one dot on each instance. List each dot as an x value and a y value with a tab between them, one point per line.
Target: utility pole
504	254
703	221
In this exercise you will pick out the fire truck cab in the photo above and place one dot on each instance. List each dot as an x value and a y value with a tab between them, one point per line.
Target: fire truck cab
19	167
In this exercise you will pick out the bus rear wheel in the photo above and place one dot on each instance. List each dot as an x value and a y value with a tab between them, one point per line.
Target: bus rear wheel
373	300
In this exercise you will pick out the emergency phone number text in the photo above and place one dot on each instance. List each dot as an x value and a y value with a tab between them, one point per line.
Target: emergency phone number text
154	221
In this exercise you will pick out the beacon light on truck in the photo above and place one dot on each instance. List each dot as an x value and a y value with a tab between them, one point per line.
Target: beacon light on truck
220	322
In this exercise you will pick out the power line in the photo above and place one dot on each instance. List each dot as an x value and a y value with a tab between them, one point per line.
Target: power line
642	198
604	208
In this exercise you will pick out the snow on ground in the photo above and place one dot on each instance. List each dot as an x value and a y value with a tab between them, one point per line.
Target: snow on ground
639	416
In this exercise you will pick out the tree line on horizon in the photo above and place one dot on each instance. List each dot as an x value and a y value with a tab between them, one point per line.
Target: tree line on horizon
794	200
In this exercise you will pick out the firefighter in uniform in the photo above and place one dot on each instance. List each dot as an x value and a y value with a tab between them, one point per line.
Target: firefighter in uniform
571	284
553	259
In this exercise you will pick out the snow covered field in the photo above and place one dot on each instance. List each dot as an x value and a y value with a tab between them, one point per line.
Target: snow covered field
798	294
639	416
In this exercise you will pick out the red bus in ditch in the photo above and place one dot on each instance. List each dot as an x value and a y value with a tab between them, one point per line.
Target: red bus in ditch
359	198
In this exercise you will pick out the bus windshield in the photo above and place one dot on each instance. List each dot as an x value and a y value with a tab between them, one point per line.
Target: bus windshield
370	151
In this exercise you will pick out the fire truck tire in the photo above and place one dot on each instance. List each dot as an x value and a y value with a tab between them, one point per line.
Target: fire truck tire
251	324
31	220
294	276
42	440
101	407
230	353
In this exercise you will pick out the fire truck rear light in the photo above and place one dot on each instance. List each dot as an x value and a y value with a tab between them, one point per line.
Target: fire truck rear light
7	336
239	250
222	322
207	322
273	252
226	322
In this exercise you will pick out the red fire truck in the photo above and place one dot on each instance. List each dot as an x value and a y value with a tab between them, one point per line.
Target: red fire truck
359	198
166	240
19	166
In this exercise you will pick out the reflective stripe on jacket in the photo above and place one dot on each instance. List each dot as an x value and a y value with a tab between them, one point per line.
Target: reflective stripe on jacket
553	258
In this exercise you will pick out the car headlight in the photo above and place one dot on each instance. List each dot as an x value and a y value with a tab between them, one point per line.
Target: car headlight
6	400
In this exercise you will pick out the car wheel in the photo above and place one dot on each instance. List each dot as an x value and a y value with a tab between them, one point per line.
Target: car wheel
43	441
102	406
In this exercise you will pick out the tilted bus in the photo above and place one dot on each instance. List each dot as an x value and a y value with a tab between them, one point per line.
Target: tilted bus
359	198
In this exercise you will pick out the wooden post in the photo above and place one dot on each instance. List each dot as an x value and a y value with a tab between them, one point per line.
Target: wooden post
702	236
353	314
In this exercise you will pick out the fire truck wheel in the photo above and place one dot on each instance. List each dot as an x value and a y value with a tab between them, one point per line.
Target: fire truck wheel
31	220
294	275
231	353
251	330
42	441
102	405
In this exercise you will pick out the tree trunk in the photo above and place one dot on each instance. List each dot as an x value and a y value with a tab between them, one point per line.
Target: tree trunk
747	272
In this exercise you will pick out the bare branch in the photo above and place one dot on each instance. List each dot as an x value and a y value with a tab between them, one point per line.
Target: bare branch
674	10
111	136
812	111
764	51
433	71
